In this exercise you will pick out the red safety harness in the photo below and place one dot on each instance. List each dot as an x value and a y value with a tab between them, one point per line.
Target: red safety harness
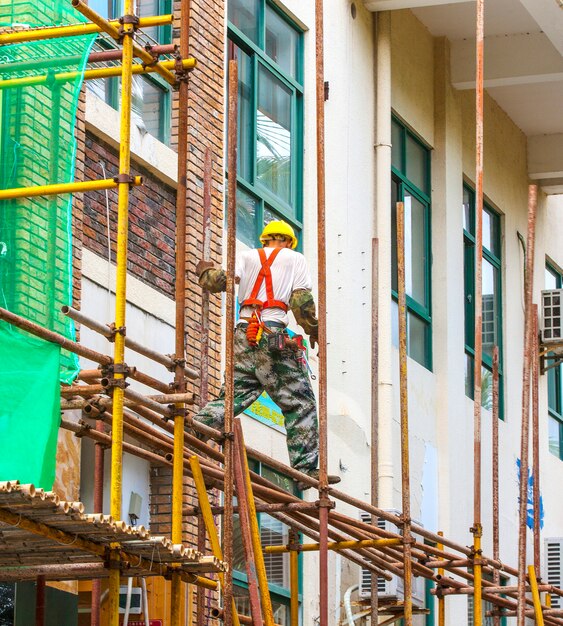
265	274
256	326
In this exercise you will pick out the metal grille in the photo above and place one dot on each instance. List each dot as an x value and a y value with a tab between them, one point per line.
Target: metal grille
554	551
551	316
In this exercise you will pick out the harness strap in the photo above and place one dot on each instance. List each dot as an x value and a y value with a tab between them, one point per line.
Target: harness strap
265	274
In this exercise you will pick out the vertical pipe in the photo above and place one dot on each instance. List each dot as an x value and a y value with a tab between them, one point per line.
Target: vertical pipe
120	302
404	405
383	228
40	601
177	596
246	534
495	472
524	443
294	577
98	508
536	439
441	599
258	552
535	595
374	608
200	591
229	331
321	255
477	529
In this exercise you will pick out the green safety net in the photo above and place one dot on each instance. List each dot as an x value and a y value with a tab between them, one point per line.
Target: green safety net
39	87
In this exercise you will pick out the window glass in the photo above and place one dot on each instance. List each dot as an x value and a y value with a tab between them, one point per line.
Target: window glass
274	533
273	135
103	7
490	234
415	249
486	383
553	389
416	338
417	163
244	15
146	8
246	217
552	280
245	119
490	314
282	42
467	211
555	436
149	99
396	146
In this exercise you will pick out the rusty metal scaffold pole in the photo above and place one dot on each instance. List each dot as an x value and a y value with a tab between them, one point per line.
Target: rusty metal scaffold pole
404	408
477	528
525	436
536	440
495	471
322	336
229	334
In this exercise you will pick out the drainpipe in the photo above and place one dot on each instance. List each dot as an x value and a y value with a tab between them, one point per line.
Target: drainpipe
382	226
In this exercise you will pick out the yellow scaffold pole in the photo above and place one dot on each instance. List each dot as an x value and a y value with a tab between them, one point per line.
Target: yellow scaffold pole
535	595
59	188
120	301
207	515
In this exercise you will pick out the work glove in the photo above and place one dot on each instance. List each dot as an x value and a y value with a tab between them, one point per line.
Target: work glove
302	305
209	278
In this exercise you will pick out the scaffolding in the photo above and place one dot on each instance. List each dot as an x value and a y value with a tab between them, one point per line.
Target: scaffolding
47	539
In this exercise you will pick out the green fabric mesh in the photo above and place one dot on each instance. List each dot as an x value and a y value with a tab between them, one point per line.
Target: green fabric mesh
37	147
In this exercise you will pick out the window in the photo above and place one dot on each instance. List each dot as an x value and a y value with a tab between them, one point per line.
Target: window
151	97
410	184
492	298
554	280
268	48
272	533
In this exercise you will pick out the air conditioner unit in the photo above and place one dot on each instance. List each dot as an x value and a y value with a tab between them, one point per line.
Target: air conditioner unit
553	566
551	314
390	589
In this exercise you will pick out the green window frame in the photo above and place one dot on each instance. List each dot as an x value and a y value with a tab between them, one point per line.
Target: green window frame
269	48
554	280
277	565
158	118
492	298
410	184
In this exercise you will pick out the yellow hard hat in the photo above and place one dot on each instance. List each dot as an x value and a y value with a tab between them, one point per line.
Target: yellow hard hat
278	227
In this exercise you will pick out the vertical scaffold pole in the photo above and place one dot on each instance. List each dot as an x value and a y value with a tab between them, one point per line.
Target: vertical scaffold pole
441	599
294	577
495	472
477	528
538	613
404	395
321	256
120	302
536	439
229	333
374	605
177	608
525	437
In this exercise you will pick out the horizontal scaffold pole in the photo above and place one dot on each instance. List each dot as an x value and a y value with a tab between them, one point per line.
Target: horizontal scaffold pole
74	30
337	545
60	188
97	73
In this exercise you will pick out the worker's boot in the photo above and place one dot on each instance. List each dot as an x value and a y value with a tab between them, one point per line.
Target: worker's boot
302	486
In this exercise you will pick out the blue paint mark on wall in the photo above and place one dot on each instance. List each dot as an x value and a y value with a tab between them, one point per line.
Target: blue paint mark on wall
530	504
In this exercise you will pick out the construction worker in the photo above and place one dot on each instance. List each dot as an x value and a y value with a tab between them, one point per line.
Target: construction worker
272	280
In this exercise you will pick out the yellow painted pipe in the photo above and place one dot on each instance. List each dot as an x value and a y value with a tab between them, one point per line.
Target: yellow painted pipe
294	588
441	599
74	30
112	31
267	610
120	297
177	604
337	545
51	190
101	72
477	583
209	522
535	595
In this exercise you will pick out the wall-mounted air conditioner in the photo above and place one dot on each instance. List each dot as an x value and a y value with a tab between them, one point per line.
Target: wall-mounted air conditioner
390	589
553	566
551	316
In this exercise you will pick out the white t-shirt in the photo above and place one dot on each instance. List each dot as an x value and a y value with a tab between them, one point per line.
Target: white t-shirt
289	272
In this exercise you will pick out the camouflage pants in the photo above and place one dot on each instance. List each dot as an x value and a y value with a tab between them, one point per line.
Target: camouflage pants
257	369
